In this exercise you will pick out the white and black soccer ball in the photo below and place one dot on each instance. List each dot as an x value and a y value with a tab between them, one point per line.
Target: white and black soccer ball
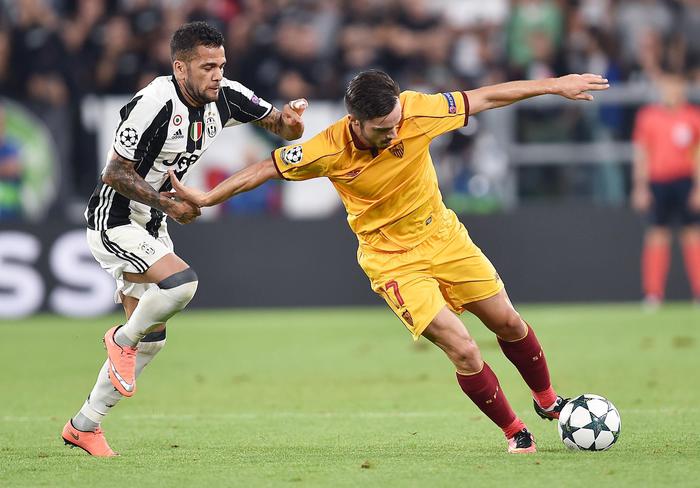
128	137
589	422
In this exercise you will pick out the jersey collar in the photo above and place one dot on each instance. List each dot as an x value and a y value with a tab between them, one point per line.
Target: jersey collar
359	145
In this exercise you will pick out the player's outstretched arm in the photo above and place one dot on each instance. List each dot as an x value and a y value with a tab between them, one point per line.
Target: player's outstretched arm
288	123
242	181
121	175
573	87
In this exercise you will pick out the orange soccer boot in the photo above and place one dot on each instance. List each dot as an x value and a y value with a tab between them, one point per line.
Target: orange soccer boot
521	443
122	364
94	443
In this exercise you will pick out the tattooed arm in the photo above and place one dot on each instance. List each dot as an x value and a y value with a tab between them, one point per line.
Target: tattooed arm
121	175
288	123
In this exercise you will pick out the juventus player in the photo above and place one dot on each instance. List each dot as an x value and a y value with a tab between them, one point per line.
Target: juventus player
166	126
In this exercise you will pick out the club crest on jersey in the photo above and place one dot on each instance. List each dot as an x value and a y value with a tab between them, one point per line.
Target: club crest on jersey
451	104
407	317
397	150
128	137
146	248
196	131
210	123
292	155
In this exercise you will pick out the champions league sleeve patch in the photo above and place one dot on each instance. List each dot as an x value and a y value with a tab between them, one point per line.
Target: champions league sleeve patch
452	105
292	155
128	137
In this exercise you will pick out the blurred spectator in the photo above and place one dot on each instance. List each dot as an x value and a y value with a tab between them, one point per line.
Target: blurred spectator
690	30
638	19
54	54
534	38
10	176
5	79
118	68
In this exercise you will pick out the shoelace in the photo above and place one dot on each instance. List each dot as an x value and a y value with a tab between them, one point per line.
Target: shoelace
523	439
129	351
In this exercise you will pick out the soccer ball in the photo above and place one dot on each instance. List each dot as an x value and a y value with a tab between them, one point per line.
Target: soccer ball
589	422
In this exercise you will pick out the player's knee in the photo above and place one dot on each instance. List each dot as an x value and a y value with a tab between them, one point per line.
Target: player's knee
466	356
180	286
512	327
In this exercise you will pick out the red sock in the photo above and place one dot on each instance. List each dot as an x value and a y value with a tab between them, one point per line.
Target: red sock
655	262
485	391
691	255
526	354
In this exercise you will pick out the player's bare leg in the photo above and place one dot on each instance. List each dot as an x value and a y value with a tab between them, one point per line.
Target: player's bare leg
690	242
520	345
656	259
476	378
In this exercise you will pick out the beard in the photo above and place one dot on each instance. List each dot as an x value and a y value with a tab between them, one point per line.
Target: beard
202	97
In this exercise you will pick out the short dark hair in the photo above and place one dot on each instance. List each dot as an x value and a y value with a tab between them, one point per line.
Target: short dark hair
191	35
371	94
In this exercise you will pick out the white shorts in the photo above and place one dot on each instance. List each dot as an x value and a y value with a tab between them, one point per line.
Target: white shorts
128	249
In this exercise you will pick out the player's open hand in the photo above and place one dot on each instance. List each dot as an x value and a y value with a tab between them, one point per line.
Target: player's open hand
291	117
191	195
576	87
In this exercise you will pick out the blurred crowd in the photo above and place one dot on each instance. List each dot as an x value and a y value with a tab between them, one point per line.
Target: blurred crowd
55	52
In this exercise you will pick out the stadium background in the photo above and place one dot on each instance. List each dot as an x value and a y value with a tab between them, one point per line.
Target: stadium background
543	185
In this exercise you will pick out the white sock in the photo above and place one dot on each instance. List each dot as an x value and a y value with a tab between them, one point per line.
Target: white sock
157	305
104	396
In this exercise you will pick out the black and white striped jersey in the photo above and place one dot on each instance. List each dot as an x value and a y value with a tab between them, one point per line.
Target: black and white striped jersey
159	131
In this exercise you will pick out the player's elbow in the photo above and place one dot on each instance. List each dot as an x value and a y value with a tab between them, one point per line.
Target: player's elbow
108	177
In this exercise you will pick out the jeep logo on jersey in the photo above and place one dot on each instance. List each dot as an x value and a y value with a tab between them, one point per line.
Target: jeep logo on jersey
292	155
182	161
210	123
196	131
128	137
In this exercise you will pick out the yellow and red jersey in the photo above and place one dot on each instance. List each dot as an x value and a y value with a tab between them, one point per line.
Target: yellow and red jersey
391	195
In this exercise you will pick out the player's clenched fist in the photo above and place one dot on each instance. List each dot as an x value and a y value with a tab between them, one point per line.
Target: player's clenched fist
291	116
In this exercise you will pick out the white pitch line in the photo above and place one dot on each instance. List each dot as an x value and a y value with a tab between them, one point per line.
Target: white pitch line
329	415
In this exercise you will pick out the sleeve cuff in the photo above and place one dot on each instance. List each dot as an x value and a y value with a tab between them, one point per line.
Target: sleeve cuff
466	107
269	111
116	151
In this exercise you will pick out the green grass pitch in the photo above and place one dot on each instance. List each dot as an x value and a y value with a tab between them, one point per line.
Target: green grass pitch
343	397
